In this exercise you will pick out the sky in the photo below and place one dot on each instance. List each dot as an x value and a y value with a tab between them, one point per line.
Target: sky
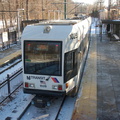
91	1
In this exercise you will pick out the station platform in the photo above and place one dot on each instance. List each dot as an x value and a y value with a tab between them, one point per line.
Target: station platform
99	94
9	55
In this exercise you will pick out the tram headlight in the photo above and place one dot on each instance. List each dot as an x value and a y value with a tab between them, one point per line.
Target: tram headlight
29	85
57	87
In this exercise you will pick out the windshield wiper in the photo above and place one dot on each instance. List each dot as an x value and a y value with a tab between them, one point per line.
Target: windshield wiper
48	78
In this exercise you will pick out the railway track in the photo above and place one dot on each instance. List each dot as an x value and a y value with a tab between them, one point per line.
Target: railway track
10	66
49	112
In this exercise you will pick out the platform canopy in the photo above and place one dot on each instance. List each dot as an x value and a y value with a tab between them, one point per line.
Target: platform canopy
110	21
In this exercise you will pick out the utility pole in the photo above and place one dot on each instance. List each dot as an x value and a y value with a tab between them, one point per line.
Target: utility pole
42	10
100	8
100	4
118	7
27	10
109	7
18	16
64	9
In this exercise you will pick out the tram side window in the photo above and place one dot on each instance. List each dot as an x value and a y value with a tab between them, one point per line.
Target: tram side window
75	69
69	62
70	65
79	56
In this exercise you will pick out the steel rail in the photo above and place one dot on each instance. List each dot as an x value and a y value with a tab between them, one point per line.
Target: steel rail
64	97
57	112
10	66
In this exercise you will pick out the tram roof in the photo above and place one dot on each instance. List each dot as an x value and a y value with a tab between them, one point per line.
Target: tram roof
59	30
58	22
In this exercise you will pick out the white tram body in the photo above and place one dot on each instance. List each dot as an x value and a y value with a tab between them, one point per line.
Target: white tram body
53	54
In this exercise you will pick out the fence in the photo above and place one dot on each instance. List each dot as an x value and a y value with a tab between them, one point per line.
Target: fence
8	86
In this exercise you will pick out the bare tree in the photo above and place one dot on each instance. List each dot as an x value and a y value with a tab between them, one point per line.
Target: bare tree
34	9
4	14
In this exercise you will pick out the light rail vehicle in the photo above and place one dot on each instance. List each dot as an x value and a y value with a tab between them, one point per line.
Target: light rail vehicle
53	54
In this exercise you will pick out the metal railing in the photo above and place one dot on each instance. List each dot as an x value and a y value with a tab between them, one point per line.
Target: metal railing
10	85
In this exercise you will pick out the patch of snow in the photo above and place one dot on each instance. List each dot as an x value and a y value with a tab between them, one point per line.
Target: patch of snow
14	107
11	71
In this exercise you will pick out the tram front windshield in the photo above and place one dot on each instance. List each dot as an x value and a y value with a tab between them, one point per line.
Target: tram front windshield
43	58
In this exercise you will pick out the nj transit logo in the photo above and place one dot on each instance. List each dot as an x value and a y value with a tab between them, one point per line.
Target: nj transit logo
55	80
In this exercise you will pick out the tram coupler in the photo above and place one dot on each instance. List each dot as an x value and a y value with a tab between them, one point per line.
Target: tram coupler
41	101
